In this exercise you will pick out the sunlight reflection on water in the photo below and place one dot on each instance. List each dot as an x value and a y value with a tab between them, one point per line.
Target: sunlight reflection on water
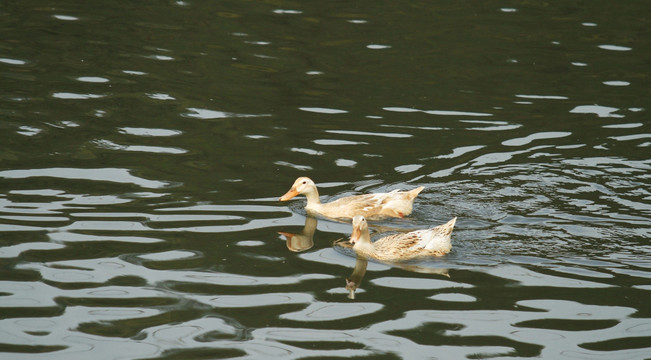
142	160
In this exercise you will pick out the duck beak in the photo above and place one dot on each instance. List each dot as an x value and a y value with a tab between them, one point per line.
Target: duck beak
354	237
288	239
288	195
351	286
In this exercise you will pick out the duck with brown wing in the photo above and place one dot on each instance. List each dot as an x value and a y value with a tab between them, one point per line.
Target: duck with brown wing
374	206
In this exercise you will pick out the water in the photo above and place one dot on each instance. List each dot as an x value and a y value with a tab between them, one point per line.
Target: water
143	147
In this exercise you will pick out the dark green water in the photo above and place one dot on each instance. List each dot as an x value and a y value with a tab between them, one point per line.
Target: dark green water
144	145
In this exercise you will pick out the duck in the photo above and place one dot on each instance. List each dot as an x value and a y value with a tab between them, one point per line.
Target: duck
404	246
396	203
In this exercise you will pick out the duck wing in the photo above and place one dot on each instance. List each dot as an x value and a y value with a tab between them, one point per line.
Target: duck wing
401	243
419	242
360	204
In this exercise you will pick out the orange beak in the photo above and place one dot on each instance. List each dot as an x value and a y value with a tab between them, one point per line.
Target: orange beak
288	195
354	237
288	239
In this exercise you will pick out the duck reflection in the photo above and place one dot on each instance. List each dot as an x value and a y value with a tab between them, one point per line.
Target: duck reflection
355	279
422	269
303	240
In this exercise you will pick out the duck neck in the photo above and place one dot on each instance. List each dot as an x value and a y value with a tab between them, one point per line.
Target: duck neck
313	200
310	226
363	245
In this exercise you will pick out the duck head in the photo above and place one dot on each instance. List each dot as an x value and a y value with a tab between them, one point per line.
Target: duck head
360	231
302	186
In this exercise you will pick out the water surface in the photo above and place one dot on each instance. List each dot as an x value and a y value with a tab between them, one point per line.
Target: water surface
143	148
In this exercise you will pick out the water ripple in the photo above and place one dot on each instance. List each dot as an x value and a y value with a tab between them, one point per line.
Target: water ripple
332	311
323	110
75	96
140	219
102	174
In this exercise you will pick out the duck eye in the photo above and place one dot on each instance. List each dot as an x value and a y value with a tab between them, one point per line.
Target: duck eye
304	182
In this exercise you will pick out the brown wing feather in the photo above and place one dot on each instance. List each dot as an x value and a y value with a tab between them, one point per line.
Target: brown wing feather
397	241
413	244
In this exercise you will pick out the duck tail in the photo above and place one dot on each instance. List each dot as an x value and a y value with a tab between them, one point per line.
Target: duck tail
449	226
441	238
413	193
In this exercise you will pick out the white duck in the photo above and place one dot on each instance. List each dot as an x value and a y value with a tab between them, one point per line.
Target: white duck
404	246
395	203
